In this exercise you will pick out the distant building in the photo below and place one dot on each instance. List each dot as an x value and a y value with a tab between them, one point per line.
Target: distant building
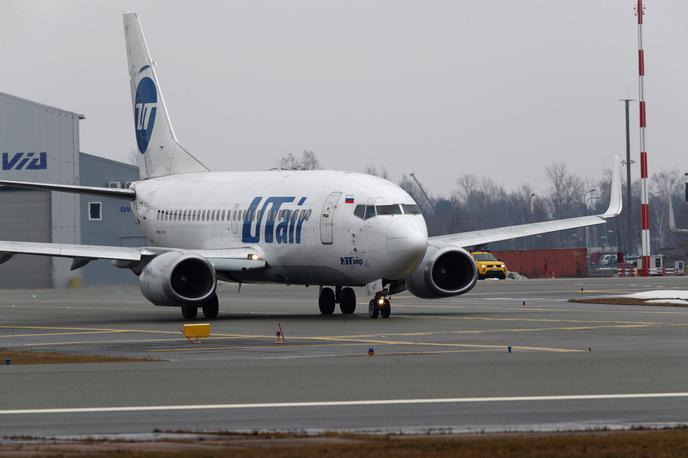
41	143
107	221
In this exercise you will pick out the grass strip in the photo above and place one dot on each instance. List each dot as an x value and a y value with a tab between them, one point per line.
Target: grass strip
627	444
49	357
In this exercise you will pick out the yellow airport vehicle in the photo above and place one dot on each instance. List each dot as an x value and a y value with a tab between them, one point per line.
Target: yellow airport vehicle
488	265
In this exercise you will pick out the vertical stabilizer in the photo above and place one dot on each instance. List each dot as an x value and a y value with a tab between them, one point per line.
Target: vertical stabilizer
159	153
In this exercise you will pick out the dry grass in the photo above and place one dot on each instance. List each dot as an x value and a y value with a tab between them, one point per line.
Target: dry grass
629	444
48	357
625	301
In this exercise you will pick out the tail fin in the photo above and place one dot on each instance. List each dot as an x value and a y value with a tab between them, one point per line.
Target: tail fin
159	152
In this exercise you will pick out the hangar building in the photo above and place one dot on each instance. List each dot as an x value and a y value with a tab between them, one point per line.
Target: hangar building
41	143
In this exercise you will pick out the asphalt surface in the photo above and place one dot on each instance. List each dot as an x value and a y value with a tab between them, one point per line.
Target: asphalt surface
440	364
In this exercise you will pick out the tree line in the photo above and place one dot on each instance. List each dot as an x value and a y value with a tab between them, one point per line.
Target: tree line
479	202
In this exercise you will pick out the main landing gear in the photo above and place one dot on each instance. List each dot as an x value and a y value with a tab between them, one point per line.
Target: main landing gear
211	309
345	297
379	307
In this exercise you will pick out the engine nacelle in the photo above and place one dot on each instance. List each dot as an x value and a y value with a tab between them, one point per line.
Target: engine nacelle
175	279
444	271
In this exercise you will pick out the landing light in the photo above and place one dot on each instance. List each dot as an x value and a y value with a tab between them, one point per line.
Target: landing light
381	301
253	257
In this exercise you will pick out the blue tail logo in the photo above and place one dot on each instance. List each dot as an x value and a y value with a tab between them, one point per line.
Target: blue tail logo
145	107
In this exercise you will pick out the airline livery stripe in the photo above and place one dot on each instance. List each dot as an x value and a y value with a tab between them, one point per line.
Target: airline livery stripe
381	402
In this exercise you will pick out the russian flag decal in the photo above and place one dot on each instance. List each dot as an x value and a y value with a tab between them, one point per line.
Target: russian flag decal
349	199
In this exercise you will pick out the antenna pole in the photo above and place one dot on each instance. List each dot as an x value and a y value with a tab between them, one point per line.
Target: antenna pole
644	201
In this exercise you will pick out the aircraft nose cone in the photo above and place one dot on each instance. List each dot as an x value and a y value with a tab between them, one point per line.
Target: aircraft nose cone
407	240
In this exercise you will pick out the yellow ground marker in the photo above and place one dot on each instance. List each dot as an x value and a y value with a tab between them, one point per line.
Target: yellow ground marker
195	331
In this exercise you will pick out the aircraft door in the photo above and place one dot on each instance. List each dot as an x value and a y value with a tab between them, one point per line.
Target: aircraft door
327	218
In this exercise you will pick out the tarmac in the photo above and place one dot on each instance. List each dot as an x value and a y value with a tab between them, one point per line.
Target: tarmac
510	355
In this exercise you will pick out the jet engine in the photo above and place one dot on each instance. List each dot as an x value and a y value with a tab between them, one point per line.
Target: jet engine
444	271
176	278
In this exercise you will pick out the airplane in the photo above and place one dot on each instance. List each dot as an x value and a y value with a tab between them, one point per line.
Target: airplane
333	229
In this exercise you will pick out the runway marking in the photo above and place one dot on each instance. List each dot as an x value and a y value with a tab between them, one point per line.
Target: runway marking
393	353
247	347
353	341
368	402
535	320
62	328
61	334
507	330
445	344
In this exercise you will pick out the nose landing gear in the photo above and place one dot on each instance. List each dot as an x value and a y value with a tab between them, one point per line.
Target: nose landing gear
380	307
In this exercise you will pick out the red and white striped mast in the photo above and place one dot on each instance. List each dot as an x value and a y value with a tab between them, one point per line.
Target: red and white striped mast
644	203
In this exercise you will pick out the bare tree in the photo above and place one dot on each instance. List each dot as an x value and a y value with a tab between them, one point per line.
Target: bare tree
308	161
567	191
372	170
133	157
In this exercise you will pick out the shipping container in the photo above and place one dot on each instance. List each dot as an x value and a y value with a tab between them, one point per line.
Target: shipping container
560	262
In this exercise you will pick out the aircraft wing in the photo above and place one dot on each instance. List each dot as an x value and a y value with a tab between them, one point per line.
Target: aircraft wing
485	236
227	259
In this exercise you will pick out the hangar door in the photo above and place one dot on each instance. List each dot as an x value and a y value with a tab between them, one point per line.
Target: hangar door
25	216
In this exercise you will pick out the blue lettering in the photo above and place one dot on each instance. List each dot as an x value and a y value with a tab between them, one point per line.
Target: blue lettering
39	163
351	261
305	214
7	164
281	225
282	230
276	203
25	161
246	235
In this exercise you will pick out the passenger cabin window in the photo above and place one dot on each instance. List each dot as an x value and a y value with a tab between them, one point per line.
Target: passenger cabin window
389	209
410	209
360	211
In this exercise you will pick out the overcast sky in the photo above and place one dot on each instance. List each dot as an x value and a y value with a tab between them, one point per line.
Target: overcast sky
496	88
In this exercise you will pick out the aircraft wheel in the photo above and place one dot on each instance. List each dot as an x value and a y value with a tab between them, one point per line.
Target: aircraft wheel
386	309
189	312
347	301
326	302
373	309
211	308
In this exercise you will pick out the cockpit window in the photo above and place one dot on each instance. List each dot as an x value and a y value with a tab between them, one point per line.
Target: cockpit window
370	212
389	209
360	211
410	209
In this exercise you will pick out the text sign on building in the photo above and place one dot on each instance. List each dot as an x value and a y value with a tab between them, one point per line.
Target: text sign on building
25	161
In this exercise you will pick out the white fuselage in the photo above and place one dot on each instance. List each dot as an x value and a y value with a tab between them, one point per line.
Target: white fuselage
303	222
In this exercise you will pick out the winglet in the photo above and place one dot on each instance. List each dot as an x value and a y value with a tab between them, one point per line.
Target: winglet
615	199
672	220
